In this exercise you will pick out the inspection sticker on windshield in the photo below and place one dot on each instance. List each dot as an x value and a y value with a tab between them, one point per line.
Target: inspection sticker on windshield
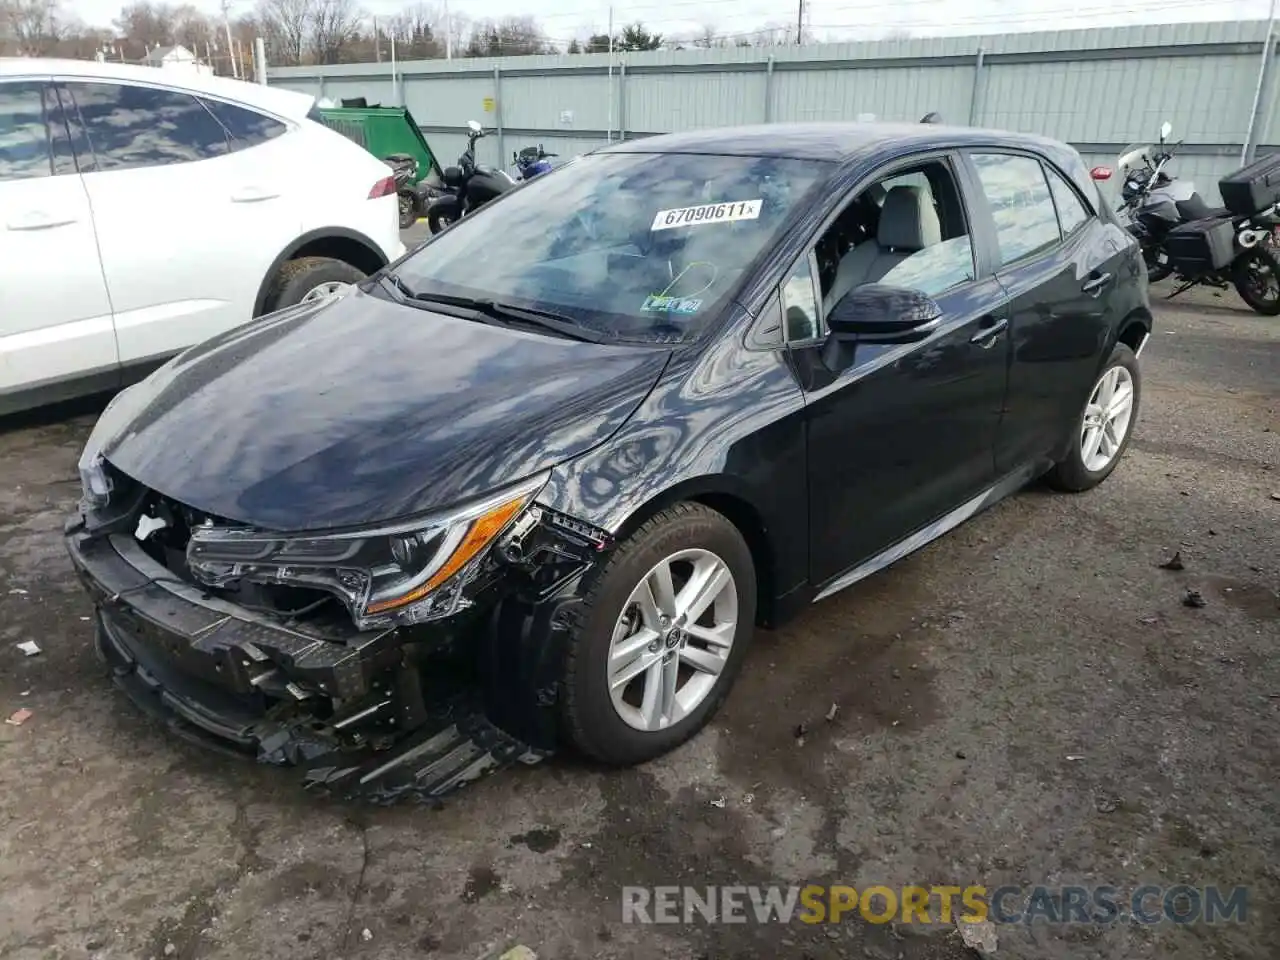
658	303
707	213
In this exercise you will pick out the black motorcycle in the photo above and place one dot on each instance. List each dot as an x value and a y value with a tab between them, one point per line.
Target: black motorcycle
404	167
470	185
1181	235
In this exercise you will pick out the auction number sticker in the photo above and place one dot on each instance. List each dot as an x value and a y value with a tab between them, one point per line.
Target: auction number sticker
707	213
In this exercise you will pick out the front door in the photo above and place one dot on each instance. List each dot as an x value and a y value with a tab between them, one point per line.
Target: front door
899	436
55	318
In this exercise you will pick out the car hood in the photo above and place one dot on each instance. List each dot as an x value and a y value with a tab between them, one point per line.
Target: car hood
364	410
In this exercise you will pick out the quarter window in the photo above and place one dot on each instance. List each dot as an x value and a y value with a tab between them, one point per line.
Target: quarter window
1071	211
248	128
800	303
130	126
1020	203
24	140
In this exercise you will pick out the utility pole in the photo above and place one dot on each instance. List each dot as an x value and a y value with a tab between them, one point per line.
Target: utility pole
448	33
377	43
609	85
1267	52
800	23
231	50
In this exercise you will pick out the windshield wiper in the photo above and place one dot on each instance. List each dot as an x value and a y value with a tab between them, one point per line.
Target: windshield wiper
398	287
557	323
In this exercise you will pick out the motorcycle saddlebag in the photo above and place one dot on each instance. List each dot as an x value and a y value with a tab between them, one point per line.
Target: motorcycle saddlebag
1252	189
1201	246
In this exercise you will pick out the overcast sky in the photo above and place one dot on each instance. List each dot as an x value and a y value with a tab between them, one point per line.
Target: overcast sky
828	19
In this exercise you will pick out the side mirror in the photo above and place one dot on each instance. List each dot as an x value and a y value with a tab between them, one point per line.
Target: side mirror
474	127
877	313
452	176
1100	173
1166	128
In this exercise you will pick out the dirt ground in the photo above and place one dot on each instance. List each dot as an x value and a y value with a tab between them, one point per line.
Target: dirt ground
1027	701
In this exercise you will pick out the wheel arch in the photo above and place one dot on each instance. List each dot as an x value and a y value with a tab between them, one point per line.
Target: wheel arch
727	497
337	243
1134	328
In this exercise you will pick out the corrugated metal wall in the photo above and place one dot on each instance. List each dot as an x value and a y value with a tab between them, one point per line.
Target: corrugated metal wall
1097	89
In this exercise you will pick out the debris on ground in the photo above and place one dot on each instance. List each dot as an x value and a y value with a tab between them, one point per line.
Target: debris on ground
1106	804
831	714
979	935
519	952
800	730
170	949
1194	598
17	592
29	647
366	934
1148	620
20	717
748	798
1275	496
1174	562
719	803
1075	756
960	755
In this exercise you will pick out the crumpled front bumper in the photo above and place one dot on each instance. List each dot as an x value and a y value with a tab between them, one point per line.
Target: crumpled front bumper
349	714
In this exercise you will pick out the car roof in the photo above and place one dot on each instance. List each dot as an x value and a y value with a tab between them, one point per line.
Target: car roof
287	103
834	142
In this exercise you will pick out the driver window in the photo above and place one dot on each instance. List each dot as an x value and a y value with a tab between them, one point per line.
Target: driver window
906	229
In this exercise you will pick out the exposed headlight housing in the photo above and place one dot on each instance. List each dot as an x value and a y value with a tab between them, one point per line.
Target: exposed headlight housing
397	574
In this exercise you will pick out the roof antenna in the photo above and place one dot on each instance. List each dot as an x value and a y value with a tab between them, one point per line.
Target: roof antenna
933	116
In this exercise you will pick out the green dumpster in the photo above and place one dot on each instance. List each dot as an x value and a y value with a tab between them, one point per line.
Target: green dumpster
383	131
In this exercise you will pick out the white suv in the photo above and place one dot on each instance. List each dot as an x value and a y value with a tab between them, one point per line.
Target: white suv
143	210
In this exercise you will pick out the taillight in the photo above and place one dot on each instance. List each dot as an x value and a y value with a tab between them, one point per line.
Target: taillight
383	188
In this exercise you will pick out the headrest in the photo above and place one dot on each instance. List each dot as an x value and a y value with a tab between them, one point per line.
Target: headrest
908	221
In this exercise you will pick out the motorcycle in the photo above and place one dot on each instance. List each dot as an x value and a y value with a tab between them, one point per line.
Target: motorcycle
404	168
532	161
471	185
1181	235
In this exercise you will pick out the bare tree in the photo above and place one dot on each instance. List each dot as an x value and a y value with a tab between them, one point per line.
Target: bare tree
32	24
144	25
419	32
335	24
285	27
707	37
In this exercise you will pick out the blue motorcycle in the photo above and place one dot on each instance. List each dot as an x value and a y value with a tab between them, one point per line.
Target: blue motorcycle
532	161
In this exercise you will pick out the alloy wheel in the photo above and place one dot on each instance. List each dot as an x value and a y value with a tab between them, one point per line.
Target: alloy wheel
672	640
1107	418
323	291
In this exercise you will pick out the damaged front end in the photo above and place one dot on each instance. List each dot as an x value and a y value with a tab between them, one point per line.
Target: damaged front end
405	658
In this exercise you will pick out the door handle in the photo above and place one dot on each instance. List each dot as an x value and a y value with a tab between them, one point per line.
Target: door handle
986	337
1093	286
252	195
38	220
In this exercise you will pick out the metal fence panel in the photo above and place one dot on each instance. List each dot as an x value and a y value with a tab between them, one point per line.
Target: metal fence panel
1097	89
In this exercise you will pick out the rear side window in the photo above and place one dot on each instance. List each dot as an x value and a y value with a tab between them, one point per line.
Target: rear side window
1071	210
1020	202
24	139
130	126
247	127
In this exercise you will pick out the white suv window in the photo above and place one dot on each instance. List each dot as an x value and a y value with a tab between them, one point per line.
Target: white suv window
132	126
24	141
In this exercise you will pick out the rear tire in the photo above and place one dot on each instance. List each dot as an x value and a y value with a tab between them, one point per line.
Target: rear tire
1096	450
310	278
1256	275
408	210
700	648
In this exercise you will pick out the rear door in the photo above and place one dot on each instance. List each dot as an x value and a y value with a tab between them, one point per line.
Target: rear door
189	216
1060	268
55	317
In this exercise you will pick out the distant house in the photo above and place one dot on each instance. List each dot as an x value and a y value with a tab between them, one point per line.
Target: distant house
176	57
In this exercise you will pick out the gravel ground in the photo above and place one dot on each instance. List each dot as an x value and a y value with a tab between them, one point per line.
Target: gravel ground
966	677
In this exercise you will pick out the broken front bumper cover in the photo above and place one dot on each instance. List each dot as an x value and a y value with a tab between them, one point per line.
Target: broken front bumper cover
226	676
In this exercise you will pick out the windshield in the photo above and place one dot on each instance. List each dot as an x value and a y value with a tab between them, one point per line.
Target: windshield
641	247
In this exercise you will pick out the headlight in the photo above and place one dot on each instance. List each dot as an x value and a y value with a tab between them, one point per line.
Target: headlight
401	573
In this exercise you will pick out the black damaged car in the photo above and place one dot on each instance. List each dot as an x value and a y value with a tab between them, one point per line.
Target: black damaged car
537	482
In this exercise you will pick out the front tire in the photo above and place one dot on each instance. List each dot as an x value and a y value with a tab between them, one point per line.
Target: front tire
1256	276
660	637
310	278
408	210
437	222
1101	433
